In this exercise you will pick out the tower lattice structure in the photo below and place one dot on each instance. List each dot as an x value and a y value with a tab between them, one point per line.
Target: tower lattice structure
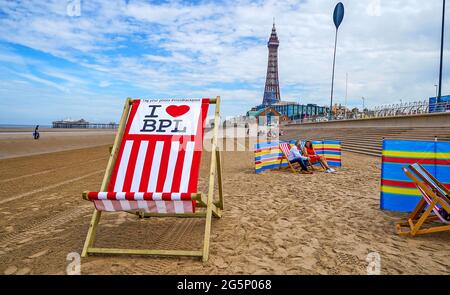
272	88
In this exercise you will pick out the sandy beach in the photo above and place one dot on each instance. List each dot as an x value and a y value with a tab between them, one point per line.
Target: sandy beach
273	223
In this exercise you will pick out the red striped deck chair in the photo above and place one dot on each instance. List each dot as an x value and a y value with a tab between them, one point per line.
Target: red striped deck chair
285	150
432	213
154	166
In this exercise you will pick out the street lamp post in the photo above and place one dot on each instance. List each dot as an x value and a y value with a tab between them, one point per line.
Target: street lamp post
436	86
346	95
438	97
364	105
338	16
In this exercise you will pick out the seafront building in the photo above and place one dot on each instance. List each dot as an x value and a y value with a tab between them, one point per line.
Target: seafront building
289	111
272	105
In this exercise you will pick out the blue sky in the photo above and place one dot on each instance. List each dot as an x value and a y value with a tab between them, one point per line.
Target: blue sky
81	59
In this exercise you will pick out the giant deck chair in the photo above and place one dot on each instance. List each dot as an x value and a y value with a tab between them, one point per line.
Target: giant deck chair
435	199
153	169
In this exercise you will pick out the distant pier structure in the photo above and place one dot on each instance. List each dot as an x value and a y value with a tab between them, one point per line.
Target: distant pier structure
83	124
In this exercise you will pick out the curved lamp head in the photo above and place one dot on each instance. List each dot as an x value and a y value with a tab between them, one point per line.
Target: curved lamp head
338	14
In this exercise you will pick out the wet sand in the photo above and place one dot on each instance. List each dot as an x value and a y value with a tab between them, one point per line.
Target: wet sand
19	142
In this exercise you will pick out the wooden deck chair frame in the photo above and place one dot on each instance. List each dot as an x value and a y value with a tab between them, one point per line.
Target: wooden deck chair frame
437	182
285	157
210	206
311	165
422	215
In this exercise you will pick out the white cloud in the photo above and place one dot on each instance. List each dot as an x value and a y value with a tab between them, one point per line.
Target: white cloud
390	50
42	81
104	84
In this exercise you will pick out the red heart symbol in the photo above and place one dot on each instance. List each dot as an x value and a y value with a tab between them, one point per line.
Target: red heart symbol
176	111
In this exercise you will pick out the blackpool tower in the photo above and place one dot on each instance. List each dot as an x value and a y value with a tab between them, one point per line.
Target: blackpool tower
272	88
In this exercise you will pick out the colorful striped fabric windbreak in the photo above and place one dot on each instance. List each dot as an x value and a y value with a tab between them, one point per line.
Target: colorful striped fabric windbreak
331	150
268	154
398	192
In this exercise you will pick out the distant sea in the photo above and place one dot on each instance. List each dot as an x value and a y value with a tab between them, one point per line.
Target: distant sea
11	126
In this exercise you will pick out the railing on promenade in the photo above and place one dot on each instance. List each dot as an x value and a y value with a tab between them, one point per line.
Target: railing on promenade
393	110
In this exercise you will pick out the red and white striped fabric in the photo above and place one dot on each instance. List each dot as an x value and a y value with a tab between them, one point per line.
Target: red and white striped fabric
286	148
157	166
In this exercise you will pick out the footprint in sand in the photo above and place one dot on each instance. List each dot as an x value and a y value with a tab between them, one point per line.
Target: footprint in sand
10	270
279	243
220	263
39	254
281	253
23	271
24	241
120	220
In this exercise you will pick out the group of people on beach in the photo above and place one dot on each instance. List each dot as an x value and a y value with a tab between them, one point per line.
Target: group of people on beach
306	156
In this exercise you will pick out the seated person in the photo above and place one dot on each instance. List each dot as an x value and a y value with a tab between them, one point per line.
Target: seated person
295	156
315	158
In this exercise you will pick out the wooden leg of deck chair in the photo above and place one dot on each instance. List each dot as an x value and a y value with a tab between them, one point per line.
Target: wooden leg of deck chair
289	163
401	225
91	232
292	168
433	230
207	229
416	227
219	179
212	176
216	211
212	209
284	157
415	214
164	215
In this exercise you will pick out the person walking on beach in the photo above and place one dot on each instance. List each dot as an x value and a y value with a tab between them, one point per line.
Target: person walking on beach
295	156
315	158
36	134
